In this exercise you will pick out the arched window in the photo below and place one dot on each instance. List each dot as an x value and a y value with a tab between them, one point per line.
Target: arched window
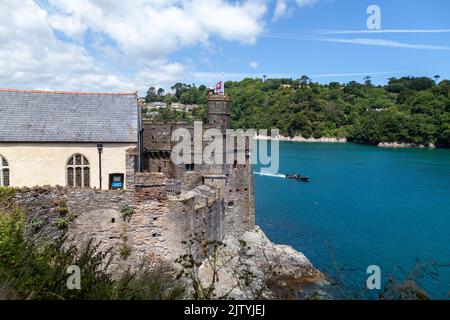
78	172
4	172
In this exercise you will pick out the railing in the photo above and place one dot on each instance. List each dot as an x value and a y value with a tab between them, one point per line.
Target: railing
173	186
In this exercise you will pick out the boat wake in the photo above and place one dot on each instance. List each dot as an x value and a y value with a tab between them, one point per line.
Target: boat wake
266	174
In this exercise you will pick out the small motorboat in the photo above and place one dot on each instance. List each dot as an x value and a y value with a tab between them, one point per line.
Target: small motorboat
297	177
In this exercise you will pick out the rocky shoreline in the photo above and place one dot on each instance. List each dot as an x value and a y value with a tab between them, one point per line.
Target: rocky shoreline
392	145
304	140
399	145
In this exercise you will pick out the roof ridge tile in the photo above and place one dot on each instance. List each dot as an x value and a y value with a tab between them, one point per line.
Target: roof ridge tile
68	92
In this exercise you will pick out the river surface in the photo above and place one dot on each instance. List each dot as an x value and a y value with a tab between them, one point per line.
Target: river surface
363	206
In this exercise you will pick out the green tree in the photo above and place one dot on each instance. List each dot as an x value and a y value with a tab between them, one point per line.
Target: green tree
151	95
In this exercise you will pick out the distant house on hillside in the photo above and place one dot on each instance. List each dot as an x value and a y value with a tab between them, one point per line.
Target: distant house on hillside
177	107
190	107
70	139
157	105
183	107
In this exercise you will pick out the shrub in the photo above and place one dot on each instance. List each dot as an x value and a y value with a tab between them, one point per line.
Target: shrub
125	251
6	194
62	223
36	224
31	270
127	212
62	209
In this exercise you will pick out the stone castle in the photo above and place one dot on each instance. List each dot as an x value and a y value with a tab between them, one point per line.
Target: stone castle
234	181
89	160
170	202
151	207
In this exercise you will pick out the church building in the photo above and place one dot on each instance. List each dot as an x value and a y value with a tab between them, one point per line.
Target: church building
69	139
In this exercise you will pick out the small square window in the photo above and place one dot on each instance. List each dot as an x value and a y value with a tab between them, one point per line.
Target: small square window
190	167
116	181
230	203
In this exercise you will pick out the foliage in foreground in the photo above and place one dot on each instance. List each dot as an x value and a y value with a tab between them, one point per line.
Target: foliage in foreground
39	271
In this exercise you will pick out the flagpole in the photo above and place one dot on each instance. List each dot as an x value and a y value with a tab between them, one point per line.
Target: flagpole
223	82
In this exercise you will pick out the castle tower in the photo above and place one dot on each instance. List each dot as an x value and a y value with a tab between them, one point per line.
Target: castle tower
236	180
219	111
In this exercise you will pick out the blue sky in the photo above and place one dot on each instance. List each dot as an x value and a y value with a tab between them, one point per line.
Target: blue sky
276	51
105	45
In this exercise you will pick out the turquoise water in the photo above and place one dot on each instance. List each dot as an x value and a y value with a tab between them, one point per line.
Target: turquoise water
364	206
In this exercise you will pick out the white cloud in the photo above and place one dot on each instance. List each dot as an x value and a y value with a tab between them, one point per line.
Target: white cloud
353	74
281	8
359	41
153	29
130	40
306	3
385	31
387	43
212	77
253	65
162	75
30	56
69	25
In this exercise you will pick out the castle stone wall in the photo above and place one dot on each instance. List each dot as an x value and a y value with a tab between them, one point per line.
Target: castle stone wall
234	182
159	224
157	136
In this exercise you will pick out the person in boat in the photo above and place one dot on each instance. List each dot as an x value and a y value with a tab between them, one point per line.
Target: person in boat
297	177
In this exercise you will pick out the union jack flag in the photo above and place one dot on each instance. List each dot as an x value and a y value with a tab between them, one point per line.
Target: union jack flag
219	87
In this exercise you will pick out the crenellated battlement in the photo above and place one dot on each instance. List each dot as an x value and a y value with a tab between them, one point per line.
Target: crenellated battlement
235	181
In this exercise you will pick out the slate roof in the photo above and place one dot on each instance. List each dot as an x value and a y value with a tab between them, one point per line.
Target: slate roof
56	116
